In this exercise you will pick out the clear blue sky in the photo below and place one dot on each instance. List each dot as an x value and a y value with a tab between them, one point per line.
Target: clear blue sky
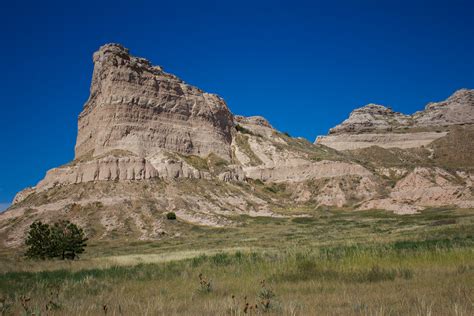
303	65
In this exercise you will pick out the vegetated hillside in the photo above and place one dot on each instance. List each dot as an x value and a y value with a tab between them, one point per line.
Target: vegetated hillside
454	152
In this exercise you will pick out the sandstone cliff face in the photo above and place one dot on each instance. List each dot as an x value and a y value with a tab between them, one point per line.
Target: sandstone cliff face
141	123
138	107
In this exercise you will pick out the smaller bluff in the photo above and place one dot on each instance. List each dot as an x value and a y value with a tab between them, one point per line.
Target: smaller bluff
377	125
137	107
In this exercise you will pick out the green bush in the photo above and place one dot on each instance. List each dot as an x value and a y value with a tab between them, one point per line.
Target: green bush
171	216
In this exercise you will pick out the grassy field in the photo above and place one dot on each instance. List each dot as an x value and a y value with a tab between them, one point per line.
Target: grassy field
334	262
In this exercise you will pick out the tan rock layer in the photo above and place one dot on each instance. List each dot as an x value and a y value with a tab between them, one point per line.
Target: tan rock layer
300	170
386	140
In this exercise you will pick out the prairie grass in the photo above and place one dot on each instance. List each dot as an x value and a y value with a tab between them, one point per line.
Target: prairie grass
331	263
377	279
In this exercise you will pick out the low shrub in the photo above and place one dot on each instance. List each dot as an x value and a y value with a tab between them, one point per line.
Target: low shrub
266	297
171	216
205	285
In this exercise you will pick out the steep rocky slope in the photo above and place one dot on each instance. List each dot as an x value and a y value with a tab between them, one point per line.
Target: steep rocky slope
148	143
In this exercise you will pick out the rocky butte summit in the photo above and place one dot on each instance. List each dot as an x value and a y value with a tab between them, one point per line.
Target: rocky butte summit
149	143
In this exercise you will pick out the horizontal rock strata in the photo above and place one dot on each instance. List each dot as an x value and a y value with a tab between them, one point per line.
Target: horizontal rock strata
386	140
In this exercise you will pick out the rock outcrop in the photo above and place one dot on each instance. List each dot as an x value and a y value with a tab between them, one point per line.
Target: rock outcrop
457	109
142	123
372	118
108	168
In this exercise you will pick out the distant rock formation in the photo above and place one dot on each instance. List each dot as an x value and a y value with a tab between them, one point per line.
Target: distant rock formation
372	118
381	126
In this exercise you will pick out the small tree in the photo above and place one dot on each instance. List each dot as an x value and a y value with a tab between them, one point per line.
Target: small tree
68	240
39	241
64	240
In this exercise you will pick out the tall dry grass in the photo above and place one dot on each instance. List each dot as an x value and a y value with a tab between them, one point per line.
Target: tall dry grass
412	278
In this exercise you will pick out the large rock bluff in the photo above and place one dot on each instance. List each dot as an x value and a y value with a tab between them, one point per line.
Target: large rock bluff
141	123
148	143
137	107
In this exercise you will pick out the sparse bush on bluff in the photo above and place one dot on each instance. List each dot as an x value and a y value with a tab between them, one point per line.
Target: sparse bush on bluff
62	240
171	216
243	130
